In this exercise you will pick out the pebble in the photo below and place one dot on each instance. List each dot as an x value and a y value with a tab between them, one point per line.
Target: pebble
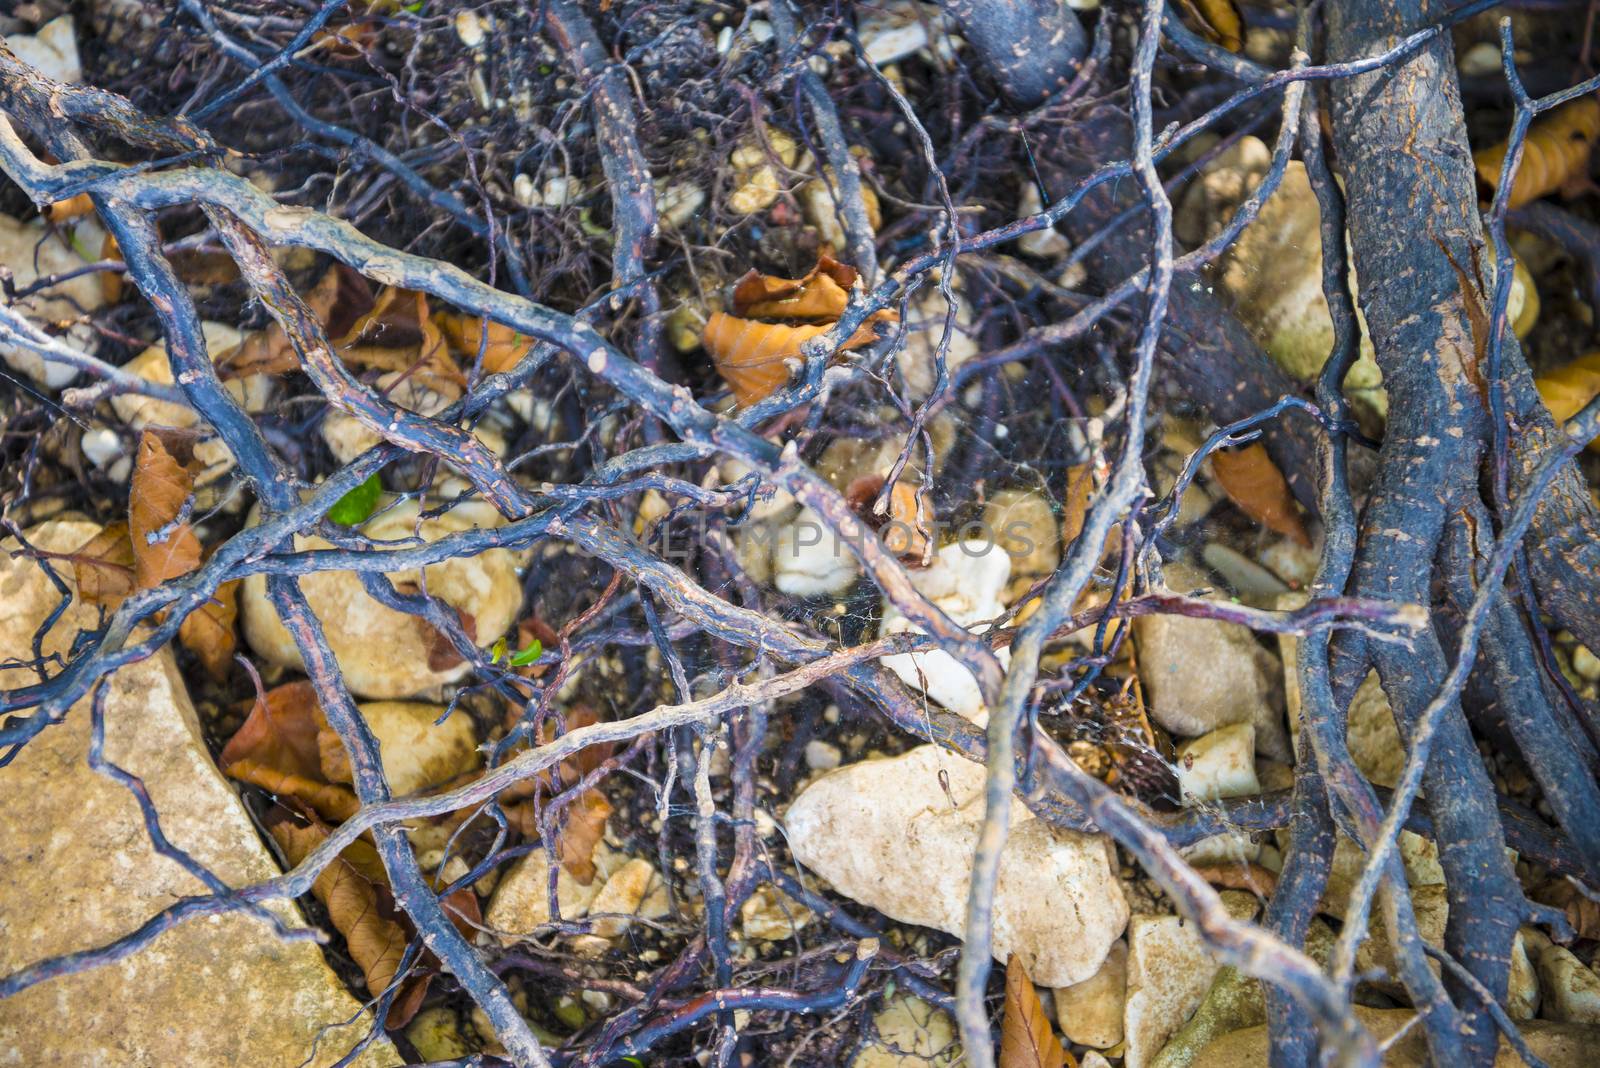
1585	663
822	756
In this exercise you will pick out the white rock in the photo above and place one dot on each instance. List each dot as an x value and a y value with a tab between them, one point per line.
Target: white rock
53	51
822	756
1201	674
777	504
101	445
524	189
1169	972
31	254
1522	993
1480	60
1091	1058
810	560
383	653
347	437
1585	663
886	834
1023	524
1569	991
1048	243
80	873
1090	1013
560	190
965	580
1220	764
1376	954
1254	583
469	28
680	202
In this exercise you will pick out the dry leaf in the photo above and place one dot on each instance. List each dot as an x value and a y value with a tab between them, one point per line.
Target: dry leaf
110	281
71	208
102	567
1582	912
503	347
584	823
750	355
1080	487
1218	20
1253	482
279	748
900	531
1567	389
567	773
340	297
1242	875
356	894
442	654
208	632
1026	1038
398	334
1556	152
163	480
822	294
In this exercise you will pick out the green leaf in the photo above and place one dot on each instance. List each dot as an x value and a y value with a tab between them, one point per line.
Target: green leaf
529	655
354	507
497	650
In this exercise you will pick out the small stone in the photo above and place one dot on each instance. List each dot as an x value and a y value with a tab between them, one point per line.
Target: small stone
1022	523
1048	243
1481	60
101	445
966	580
1090	1013
526	192
924	330
1522	993
769	916
823	210
1254	583
910	1033
1218	765
521	902
1569	991
417	750
886	834
1432	911
52	51
822	756
560	190
469	28
1169	972
810	560
1201	674
437	1035
1418	856
622	897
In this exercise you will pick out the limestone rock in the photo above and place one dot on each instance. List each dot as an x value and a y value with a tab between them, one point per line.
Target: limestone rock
632	890
31	254
1201	674
1214	766
884	833
966	580
1022	523
810	560
1432	911
925	328
80	872
1090	1013
910	1034
253	392
1522	993
1169	972
417	751
1559	1045
769	916
1418	855
382	652
52	51
521	901
1570	991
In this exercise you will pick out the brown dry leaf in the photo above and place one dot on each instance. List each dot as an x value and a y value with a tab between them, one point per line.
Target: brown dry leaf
1080	487
584	823
900	531
356	894
1242	875
103	567
503	347
821	294
1569	387
208	632
110	281
568	772
1253	482
1555	152
1026	1038
398	334
1582	911
750	355
340	297
163	479
442	655
279	749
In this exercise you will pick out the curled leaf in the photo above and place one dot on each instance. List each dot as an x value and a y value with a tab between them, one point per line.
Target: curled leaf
339	298
102	567
72	208
1253	482
751	355
1555	153
821	294
358	504
1218	20
279	749
1026	1037
1080	486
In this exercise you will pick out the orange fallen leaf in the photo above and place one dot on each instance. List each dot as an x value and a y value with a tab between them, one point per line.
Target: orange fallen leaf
72	208
103	567
901	531
1555	152
163	480
585	822
339	298
821	294
750	355
503	347
1026	1037
398	334
280	749
1253	482
208	632
1080	486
